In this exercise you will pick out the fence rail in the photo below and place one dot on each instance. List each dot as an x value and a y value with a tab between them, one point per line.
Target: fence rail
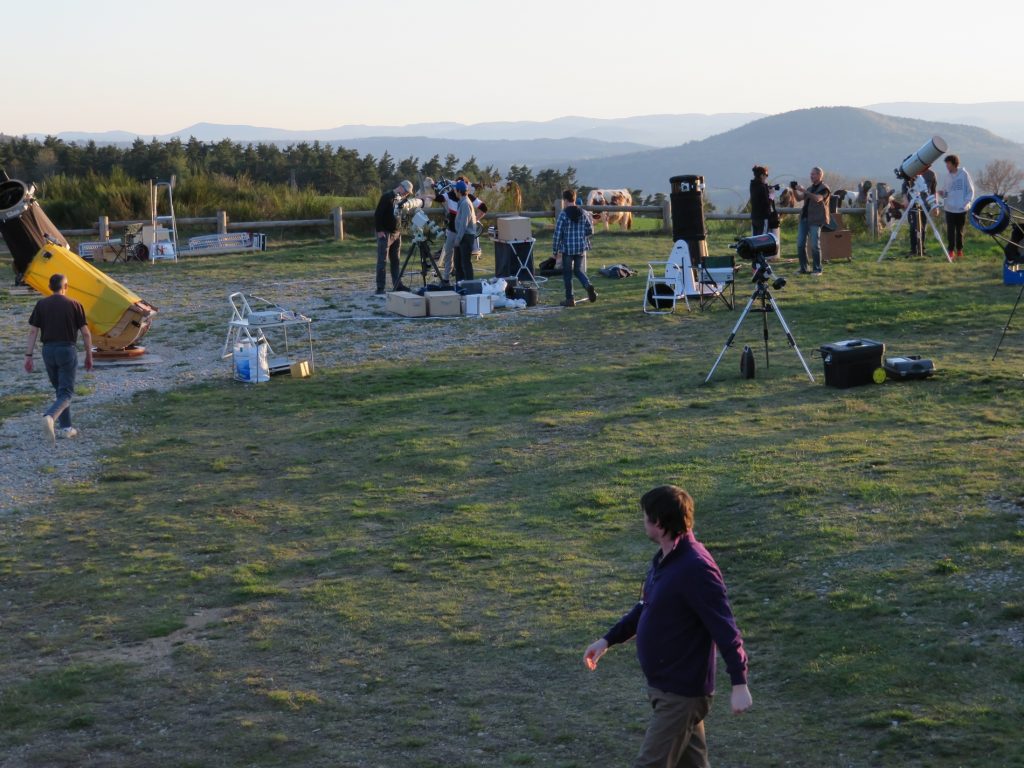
338	218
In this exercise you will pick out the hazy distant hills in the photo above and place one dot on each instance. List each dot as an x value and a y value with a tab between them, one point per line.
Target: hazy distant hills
651	130
643	152
853	143
1004	118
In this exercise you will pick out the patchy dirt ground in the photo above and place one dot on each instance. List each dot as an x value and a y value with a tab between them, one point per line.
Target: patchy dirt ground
184	347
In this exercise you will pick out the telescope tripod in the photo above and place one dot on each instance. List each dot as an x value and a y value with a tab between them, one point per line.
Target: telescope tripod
916	203
764	296
1008	321
428	261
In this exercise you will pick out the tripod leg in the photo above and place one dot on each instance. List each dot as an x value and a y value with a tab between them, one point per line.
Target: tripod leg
732	336
789	336
405	264
764	315
1008	321
895	232
935	231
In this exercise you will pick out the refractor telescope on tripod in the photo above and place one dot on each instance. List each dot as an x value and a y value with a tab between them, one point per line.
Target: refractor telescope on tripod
424	232
421	227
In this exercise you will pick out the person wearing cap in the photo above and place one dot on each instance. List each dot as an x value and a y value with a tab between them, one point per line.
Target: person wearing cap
466	232
387	224
449	251
59	319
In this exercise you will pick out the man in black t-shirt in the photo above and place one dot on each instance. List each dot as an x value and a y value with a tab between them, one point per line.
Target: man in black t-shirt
59	319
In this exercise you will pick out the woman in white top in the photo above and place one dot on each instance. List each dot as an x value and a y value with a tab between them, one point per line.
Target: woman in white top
957	195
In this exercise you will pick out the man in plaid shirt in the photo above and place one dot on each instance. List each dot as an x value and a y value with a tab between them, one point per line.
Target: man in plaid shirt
571	243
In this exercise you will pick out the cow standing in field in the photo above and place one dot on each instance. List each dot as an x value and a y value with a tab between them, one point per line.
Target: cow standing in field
787	199
611	197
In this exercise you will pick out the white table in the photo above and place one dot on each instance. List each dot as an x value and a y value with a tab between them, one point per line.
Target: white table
251	325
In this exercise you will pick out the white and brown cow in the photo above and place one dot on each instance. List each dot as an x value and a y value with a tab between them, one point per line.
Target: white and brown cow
611	197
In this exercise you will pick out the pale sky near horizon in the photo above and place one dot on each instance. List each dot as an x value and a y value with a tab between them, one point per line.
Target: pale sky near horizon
155	68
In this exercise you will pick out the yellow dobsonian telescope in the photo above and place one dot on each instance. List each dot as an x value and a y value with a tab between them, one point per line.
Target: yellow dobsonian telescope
116	316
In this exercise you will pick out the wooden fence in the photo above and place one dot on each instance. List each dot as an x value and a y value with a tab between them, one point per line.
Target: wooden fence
338	217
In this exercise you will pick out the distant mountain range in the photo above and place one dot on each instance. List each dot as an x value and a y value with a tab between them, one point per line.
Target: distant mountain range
847	142
643	152
1004	118
650	130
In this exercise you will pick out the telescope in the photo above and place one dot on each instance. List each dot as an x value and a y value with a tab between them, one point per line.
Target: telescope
116	317
756	246
422	226
920	161
992	215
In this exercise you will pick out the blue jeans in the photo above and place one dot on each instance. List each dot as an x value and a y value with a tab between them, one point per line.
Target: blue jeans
814	230
61	361
573	265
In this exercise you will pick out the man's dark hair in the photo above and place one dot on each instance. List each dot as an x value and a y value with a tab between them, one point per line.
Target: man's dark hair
57	281
569	195
670	508
953	160
759	170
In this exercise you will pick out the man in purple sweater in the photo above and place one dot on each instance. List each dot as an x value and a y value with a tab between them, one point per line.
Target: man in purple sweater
683	614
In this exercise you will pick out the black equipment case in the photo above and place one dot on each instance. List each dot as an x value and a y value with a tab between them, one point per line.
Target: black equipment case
910	367
852	362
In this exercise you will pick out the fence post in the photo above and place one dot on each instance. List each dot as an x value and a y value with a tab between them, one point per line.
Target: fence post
559	207
339	225
103	226
666	216
871	214
222	222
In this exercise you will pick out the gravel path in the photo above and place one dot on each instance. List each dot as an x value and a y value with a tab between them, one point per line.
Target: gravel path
184	347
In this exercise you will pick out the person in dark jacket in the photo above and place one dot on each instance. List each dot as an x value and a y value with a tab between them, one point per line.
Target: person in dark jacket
682	615
762	203
387	224
573	230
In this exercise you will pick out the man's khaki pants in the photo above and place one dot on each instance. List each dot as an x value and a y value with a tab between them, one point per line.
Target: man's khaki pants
675	735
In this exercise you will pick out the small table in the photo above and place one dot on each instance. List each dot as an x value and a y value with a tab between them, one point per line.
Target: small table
514	258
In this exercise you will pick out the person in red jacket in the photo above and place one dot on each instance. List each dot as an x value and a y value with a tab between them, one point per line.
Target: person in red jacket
682	615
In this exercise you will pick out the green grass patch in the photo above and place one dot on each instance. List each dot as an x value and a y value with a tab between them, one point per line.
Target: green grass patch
413	570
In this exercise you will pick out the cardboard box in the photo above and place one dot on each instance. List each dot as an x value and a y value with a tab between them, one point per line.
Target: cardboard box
837	245
406	304
300	370
443	303
513	228
477	304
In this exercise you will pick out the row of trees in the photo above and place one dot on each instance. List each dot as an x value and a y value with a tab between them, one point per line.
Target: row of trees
321	168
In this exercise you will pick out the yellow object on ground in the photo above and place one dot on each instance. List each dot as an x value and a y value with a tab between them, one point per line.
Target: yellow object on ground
116	316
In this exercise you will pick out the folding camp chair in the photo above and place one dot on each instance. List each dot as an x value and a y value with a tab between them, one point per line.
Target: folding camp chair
716	279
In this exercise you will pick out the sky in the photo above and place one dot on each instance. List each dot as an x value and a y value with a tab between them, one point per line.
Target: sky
155	68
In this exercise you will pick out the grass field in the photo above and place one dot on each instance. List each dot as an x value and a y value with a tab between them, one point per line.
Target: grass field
401	562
